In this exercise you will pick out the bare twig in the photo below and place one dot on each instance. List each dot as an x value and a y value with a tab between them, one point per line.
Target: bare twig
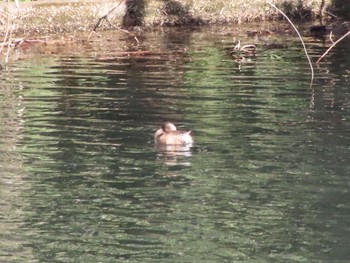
8	48
93	33
331	37
331	14
248	47
336	42
8	35
301	39
21	41
238	46
113	26
105	17
321	13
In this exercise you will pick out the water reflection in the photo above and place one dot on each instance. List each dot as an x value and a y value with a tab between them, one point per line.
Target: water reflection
267	179
13	174
174	154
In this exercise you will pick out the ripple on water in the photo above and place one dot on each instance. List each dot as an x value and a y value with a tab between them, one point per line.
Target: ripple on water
81	177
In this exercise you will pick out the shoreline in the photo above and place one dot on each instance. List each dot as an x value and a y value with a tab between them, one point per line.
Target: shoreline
68	16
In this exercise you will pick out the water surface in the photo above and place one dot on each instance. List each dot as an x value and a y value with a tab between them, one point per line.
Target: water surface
266	181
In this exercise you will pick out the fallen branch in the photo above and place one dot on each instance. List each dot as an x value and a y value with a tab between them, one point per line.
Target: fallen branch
19	42
301	39
334	43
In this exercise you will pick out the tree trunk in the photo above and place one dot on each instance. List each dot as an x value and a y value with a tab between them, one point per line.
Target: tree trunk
135	11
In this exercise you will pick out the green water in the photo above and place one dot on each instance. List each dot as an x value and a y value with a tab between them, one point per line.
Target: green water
266	181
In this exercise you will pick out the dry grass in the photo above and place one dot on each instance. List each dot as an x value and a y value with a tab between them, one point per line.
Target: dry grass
226	11
48	18
45	19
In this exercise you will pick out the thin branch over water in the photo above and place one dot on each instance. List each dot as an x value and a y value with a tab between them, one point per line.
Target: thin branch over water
8	35
301	39
334	43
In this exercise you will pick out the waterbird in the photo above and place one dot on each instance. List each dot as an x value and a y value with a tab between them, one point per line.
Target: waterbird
169	135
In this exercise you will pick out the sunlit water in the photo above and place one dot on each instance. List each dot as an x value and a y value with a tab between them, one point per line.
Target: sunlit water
266	181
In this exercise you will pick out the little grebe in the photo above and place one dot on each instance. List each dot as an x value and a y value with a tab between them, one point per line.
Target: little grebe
169	135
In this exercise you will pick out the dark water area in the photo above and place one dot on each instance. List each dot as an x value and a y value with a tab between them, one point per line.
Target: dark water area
267	179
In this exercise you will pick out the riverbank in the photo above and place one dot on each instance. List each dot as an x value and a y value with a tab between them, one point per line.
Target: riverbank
67	16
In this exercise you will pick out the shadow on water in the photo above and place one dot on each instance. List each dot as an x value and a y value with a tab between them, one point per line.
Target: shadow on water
265	181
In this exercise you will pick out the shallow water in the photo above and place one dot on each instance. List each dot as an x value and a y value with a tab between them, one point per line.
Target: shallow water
266	181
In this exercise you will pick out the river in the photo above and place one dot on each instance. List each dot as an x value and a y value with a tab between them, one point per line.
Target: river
267	179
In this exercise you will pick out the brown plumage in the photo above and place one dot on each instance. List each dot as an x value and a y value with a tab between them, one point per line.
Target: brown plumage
169	135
